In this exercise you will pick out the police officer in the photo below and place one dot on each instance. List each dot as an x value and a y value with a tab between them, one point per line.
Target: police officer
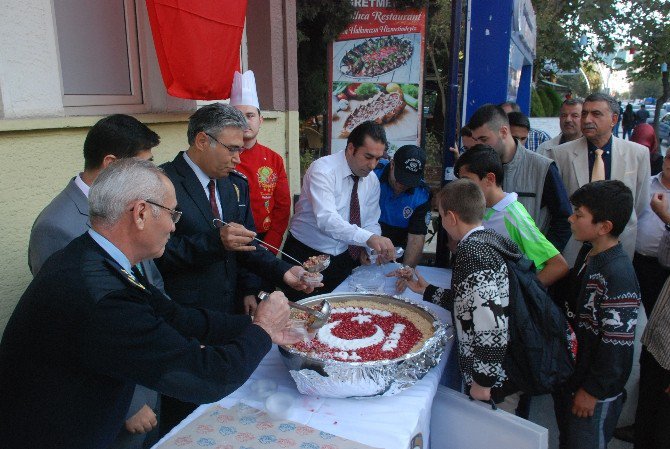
405	201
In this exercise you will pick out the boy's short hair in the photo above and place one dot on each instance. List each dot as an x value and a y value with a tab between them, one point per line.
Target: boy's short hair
480	160
606	201
465	199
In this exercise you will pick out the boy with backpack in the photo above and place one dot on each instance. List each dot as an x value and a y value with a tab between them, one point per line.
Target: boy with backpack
479	296
603	311
507	216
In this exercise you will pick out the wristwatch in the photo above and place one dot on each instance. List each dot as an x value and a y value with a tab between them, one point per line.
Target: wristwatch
667	226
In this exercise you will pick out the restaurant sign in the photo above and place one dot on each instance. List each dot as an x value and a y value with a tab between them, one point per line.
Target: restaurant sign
376	73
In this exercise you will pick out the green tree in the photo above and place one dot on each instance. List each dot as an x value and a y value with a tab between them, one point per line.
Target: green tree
556	101
536	108
561	24
650	36
646	88
318	23
546	102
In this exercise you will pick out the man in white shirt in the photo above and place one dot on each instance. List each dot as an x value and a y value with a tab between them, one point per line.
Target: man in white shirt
331	217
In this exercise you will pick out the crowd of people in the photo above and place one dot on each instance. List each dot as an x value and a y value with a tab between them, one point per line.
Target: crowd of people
145	303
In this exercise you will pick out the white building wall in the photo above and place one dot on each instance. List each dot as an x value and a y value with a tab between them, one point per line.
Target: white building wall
30	84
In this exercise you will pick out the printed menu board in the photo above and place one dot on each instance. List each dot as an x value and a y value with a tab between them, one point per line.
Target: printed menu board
376	73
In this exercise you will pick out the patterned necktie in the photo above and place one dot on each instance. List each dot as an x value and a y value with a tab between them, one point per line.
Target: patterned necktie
355	217
212	199
598	173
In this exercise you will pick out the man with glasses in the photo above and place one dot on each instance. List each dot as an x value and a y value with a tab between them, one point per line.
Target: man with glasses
67	217
211	260
213	252
91	326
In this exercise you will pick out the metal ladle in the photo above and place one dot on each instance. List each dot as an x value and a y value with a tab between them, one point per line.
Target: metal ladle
321	316
317	268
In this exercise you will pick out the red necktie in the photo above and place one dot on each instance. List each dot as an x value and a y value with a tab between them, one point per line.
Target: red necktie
355	217
212	199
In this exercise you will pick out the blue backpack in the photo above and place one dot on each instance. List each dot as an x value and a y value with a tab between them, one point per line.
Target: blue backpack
541	350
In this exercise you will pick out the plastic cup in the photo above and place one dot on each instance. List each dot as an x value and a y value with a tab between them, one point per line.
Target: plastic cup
263	388
278	404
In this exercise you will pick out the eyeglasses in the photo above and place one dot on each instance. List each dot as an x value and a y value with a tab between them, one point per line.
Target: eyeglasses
175	215
233	149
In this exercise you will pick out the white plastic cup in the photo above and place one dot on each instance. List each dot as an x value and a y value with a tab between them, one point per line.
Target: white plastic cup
278	404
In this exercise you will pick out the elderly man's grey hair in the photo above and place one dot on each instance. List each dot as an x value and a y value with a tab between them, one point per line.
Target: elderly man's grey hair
123	182
213	118
611	102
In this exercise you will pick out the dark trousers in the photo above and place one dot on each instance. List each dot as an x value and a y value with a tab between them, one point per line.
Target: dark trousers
593	432
651	276
652	418
340	267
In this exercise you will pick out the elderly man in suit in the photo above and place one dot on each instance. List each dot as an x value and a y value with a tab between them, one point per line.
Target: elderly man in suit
67	217
599	155
91	326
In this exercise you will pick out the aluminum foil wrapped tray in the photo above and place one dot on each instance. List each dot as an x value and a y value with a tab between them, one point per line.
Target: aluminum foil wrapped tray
328	377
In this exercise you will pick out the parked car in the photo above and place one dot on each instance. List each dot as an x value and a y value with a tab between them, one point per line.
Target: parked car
663	128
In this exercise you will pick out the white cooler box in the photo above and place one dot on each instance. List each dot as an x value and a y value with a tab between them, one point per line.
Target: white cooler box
459	423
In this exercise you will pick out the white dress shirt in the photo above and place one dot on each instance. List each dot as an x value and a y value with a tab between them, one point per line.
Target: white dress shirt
650	228
82	185
204	180
321	219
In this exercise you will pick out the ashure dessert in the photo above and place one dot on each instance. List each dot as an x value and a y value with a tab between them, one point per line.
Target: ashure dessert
315	261
365	331
376	56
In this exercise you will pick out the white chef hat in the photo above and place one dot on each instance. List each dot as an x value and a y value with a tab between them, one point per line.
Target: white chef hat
243	92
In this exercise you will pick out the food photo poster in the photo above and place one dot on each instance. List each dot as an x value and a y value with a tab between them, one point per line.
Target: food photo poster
376	73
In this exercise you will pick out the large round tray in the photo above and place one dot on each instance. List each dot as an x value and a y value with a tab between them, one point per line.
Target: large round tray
338	379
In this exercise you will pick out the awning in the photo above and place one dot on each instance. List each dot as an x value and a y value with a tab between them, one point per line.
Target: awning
198	45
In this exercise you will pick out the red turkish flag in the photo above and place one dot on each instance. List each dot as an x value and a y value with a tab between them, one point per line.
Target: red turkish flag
198	45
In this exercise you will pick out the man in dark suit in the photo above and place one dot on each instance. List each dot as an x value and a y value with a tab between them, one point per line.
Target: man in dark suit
66	217
90	326
205	265
217	262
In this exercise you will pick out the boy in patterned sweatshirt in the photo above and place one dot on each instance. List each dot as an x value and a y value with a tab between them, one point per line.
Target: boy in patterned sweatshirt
479	296
603	313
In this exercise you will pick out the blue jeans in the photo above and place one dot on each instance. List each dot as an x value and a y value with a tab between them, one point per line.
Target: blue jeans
586	433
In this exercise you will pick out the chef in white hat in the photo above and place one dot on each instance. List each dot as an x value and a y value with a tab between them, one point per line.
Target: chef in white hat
264	169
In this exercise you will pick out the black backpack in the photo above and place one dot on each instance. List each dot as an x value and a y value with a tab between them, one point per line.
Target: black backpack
542	346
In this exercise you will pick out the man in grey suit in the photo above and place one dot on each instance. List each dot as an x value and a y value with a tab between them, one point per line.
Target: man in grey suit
623	160
66	217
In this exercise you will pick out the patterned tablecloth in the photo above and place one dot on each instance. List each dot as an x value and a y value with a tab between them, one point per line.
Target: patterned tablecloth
395	422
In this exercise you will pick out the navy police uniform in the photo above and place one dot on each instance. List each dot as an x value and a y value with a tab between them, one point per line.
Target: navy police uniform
407	213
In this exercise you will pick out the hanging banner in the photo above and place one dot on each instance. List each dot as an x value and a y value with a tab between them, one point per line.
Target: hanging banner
376	73
198	45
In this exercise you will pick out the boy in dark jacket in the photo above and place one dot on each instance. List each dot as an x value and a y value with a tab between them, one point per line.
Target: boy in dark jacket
479	297
604	314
